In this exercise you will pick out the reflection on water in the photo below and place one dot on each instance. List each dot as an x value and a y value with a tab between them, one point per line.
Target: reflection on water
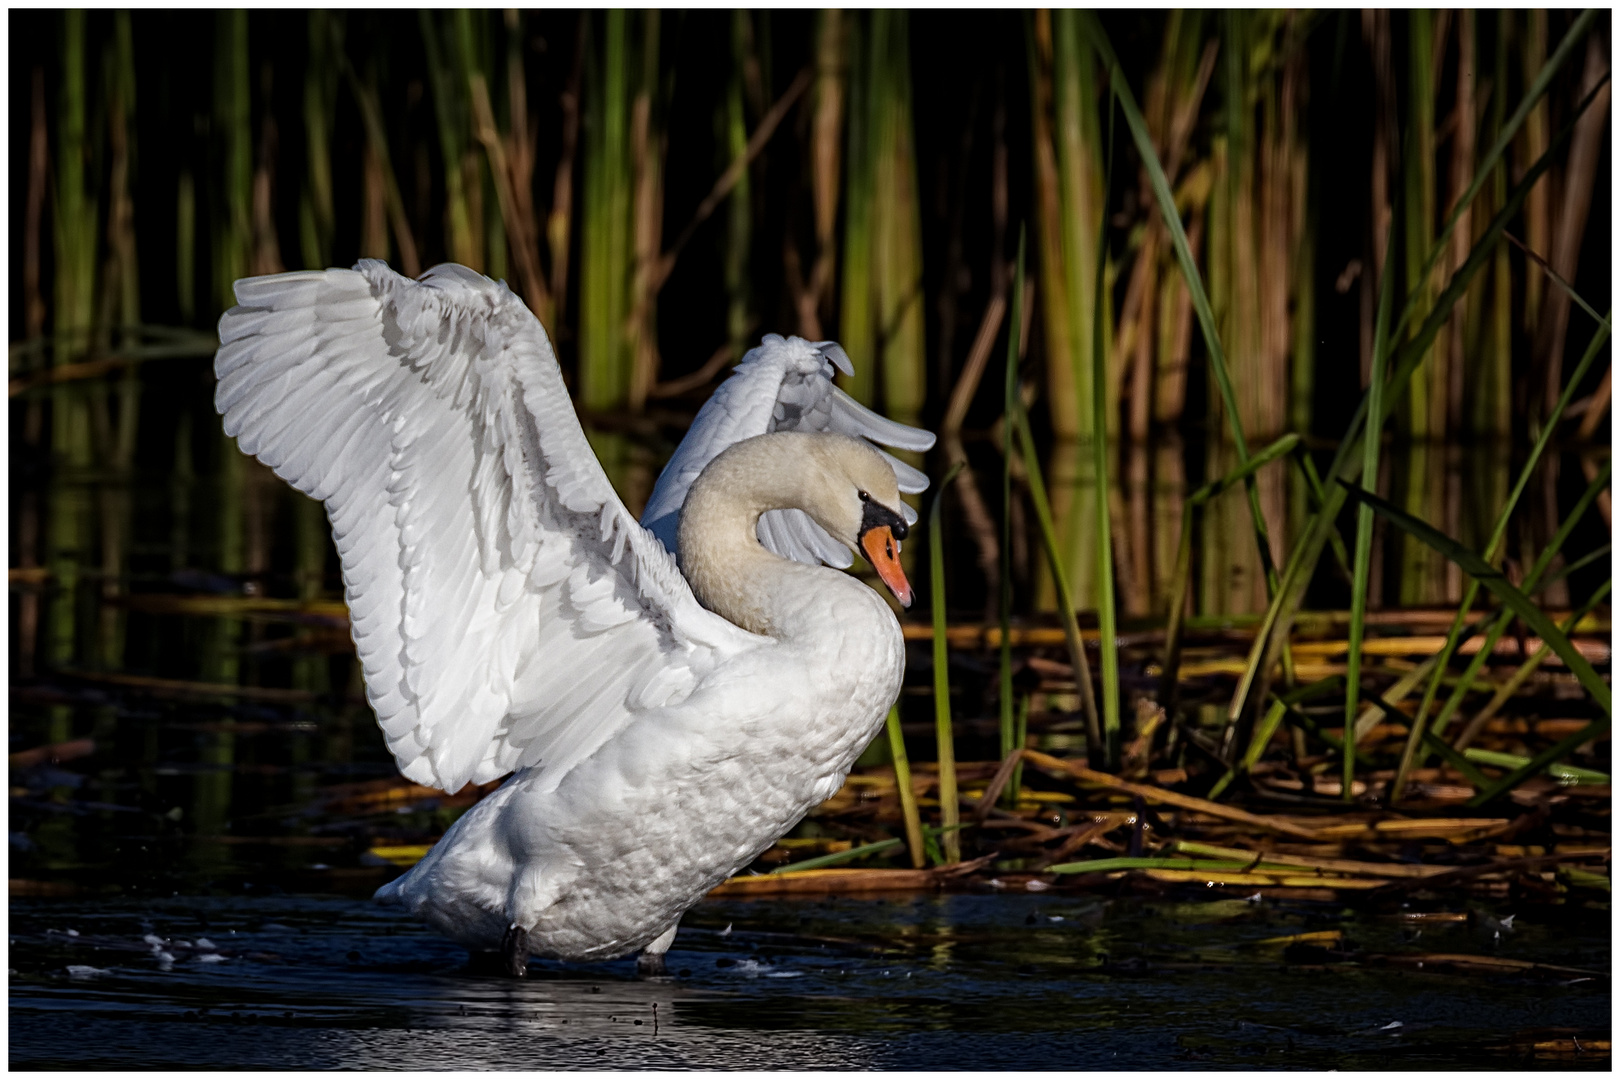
923	982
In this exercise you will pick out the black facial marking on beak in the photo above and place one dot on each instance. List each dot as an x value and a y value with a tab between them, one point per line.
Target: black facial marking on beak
875	515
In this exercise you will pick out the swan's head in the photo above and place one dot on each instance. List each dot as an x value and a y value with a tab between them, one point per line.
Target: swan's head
843	483
855	497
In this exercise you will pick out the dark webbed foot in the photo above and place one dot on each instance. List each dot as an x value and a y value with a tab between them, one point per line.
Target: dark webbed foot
515	952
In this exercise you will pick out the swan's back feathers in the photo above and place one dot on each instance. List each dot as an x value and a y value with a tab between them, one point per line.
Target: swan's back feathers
506	608
783	385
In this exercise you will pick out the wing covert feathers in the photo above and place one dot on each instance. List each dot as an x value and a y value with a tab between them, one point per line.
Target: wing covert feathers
506	609
785	384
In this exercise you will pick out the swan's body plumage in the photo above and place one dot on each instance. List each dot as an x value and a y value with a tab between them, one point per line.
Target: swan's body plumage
512	617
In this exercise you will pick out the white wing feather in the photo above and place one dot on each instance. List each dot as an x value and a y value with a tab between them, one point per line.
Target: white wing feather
783	385
507	609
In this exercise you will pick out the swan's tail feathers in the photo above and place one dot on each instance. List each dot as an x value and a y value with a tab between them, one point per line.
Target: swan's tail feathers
389	895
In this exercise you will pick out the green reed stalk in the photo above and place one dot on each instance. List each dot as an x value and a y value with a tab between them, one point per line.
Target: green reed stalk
944	735
605	358
233	133
902	781
1364	521
1015	781
316	214
67	531
1016	426
857	317
1427	387
1070	196
75	210
827	126
1492	383
1103	406
1009	424
1492	549
185	245
882	315
739	211
451	112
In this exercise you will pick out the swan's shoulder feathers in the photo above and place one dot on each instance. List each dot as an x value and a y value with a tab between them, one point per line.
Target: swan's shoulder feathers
785	384
507	609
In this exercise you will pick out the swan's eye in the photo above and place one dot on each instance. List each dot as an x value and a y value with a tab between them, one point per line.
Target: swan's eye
864	496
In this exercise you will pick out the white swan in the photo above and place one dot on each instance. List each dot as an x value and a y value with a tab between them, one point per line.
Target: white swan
663	725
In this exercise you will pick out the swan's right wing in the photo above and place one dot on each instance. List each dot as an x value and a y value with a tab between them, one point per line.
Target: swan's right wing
785	384
506	609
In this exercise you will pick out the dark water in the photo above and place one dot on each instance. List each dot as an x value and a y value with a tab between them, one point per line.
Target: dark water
926	982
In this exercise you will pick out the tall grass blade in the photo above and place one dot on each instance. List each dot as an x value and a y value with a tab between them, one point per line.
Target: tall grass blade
1104	406
1070	197
1009	405
233	135
451	113
949	810
882	310
1364	519
902	780
1494	580
1060	579
316	215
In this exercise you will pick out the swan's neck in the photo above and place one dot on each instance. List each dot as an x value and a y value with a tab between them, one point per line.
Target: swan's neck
730	571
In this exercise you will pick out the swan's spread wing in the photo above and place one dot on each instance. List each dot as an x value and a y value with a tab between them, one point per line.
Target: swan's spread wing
507	610
783	385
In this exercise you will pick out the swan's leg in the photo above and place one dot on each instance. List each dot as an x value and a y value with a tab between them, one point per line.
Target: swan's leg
651	960
532	892
515	951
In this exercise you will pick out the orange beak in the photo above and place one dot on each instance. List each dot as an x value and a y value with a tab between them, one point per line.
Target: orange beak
882	550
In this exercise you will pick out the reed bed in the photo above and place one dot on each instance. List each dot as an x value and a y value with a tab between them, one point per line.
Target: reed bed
1308	337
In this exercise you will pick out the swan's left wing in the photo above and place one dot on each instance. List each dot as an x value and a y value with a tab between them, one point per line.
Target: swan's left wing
506	609
786	384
